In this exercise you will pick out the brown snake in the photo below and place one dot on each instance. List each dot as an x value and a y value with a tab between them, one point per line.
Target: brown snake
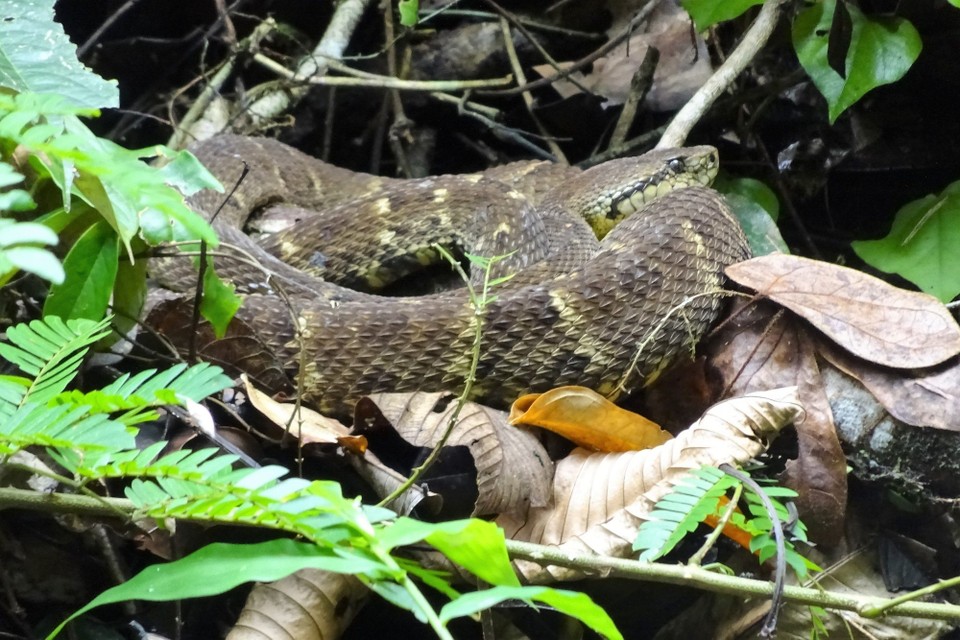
607	315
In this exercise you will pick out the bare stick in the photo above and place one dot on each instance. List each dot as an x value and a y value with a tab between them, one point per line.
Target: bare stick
753	40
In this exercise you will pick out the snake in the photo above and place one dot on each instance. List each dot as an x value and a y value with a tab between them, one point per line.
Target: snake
569	308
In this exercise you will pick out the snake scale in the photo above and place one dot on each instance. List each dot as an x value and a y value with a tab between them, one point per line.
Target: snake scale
608	315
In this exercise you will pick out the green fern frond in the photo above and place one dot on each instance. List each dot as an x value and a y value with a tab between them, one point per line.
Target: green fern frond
69	429
137	397
681	511
49	350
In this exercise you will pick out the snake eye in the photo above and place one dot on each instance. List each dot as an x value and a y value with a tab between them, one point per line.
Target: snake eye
677	165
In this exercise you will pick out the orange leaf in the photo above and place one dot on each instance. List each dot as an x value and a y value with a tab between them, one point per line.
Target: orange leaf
741	536
588	419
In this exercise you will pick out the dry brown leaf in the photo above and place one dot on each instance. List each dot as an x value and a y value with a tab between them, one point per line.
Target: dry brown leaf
865	315
928	398
760	348
600	499
306	424
308	605
513	469
684	62
588	419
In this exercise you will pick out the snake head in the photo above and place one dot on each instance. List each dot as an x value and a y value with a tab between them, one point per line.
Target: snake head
606	194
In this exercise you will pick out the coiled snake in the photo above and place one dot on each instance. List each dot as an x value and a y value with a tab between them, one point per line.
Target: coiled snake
608	315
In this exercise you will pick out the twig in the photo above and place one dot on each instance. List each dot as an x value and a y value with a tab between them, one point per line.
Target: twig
640	85
95	36
197	112
332	45
685	575
754	40
527	98
381	82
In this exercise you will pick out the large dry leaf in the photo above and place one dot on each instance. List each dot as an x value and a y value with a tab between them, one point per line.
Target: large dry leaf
588	419
760	348
928	398
865	315
307	605
600	499
513	469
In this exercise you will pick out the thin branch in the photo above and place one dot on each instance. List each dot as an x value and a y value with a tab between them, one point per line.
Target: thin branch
382	82
753	41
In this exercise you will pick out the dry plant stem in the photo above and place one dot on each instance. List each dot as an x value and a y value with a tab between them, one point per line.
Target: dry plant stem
518	25
332	45
526	22
685	575
401	123
197	112
643	141
640	85
381	82
202	269
555	150
695	108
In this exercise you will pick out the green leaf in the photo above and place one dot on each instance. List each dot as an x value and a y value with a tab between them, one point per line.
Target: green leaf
922	244
478	546
220	567
21	248
91	268
576	605
408	12
219	303
757	208
51	351
36	55
681	511
881	51
706	13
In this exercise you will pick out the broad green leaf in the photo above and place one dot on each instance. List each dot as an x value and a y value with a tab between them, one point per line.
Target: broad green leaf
220	302
220	567
922	244
36	55
881	51
706	13
477	546
184	171
91	267
757	208
576	605
22	248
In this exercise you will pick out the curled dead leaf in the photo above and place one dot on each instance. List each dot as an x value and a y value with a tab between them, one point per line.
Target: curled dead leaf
585	417
600	499
865	315
513	470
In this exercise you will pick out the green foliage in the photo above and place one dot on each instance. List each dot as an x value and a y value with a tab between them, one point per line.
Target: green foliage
111	199
921	245
36	56
880	51
706	13
22	243
699	496
693	499
757	209
91	436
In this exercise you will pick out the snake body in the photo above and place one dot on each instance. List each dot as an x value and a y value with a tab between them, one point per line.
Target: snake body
609	315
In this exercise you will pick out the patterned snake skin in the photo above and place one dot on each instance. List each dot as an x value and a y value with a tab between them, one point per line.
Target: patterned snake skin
608	315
